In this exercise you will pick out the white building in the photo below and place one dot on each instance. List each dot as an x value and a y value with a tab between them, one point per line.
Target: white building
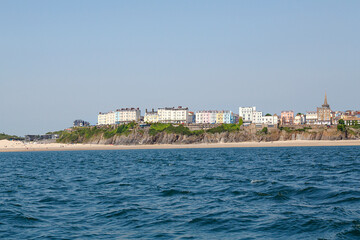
249	114
173	115
110	118
151	117
270	120
122	115
106	118
102	118
311	117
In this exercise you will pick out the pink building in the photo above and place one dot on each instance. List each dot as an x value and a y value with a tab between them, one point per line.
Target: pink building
206	116
287	117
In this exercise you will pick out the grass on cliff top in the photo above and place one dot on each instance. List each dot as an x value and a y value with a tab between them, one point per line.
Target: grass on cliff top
182	130
232	127
83	134
169	128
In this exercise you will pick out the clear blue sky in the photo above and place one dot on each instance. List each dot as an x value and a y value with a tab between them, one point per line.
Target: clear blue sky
64	60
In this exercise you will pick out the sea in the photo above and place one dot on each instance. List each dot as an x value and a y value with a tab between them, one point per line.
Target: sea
224	193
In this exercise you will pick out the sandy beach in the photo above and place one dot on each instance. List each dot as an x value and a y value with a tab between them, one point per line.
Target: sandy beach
18	146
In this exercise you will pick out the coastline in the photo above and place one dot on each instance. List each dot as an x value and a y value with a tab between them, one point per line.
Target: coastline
14	146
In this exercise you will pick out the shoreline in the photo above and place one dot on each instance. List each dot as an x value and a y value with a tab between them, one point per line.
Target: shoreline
14	146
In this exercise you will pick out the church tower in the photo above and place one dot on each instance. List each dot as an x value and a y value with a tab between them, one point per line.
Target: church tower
324	113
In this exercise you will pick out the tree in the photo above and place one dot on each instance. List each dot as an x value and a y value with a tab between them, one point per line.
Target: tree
268	114
341	125
264	130
241	121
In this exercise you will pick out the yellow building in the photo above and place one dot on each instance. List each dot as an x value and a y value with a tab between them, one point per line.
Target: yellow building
220	117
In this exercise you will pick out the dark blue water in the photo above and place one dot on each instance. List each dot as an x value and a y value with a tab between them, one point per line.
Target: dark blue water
257	193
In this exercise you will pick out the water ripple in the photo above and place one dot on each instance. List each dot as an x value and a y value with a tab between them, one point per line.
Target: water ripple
262	193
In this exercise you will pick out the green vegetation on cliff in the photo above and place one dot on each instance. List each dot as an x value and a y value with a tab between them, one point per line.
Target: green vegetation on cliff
290	130
86	134
264	130
341	126
169	128
4	136
83	134
224	128
159	133
182	130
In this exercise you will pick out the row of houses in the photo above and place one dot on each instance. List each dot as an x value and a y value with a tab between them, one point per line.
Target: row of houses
214	116
322	116
182	115
314	118
249	115
179	115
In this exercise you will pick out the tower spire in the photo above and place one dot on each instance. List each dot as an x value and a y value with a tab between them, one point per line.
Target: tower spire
325	102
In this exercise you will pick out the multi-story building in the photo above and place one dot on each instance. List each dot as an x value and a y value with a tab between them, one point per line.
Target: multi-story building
257	117
324	113
228	117
110	118
206	116
122	115
102	118
249	114
270	120
287	117
151	117
299	119
311	118
173	115
220	117
225	117
246	113
214	116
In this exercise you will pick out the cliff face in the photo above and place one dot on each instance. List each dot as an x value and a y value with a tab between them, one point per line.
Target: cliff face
138	137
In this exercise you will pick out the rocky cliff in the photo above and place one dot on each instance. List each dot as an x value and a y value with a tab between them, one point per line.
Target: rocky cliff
142	136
